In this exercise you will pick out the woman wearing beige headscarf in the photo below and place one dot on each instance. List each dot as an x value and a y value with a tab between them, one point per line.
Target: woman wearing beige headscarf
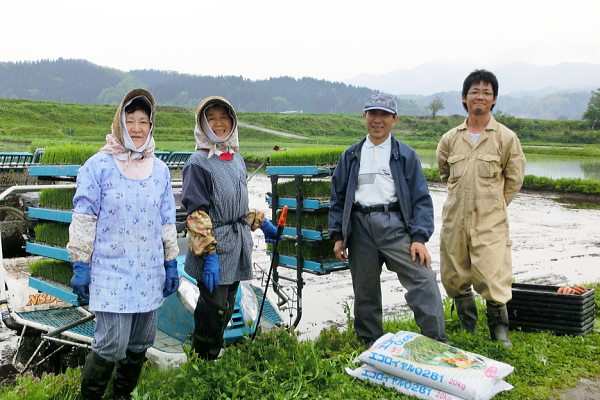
123	243
219	222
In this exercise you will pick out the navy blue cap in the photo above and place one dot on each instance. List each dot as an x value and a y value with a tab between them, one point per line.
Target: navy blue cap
383	102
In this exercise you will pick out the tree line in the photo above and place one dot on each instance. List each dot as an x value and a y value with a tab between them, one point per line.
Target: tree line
80	81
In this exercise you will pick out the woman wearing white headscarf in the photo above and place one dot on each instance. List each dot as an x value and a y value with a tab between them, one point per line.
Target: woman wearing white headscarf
219	222
123	243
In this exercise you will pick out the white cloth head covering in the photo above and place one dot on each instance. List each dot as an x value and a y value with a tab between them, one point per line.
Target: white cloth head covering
136	152
119	142
205	137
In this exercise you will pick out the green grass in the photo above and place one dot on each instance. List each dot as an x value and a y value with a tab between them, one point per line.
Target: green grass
56	270
310	220
315	188
57	198
31	124
278	365
318	251
70	154
308	156
56	233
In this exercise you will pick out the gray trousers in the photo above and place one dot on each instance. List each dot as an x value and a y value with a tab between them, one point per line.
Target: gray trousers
116	333
381	237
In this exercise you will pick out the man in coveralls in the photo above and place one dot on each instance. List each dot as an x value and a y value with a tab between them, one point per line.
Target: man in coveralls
483	166
381	212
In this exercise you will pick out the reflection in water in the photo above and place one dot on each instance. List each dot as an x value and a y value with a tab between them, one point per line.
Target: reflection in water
555	167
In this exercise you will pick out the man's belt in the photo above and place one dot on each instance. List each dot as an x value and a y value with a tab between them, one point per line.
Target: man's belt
377	208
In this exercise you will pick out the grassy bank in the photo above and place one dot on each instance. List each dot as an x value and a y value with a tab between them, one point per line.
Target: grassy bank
541	184
25	124
277	365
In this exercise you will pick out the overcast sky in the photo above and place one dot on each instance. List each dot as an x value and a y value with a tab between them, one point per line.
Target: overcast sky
323	39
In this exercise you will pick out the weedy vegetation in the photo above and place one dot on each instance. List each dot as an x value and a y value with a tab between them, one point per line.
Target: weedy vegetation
278	365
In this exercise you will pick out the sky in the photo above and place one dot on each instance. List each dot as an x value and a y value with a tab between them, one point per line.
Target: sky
332	40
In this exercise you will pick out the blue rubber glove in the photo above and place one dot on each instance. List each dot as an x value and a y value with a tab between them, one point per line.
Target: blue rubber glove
80	282
172	281
212	272
270	232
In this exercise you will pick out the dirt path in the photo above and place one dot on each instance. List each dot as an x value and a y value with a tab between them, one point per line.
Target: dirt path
587	389
260	128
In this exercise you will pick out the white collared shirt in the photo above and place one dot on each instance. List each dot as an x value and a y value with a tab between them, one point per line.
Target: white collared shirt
375	181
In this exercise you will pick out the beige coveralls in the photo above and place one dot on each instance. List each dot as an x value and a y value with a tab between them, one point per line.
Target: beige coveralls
482	179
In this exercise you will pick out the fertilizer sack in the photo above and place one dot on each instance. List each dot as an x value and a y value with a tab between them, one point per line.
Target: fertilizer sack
422	360
373	375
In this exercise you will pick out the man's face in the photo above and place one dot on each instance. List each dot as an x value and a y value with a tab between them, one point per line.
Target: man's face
480	98
379	125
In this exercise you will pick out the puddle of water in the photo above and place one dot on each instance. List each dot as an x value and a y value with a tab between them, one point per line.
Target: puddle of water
552	245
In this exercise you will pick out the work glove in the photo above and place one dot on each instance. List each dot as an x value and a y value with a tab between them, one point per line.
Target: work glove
270	232
172	281
80	282
212	271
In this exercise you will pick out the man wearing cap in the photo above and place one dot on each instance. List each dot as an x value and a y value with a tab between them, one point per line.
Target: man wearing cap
381	212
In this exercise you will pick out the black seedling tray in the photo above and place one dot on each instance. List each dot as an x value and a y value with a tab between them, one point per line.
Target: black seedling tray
540	308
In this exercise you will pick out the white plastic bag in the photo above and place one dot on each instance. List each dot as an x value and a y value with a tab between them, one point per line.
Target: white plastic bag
422	360
403	386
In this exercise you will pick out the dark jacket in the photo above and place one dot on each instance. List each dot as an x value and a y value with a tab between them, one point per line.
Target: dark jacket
413	194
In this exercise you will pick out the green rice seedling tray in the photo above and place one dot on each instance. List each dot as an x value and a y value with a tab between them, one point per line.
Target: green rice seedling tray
318	268
54	289
306	233
50	215
58	253
53	170
307	204
305	170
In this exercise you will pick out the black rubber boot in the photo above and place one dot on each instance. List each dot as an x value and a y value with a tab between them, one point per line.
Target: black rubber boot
127	374
96	374
209	325
466	308
230	306
497	316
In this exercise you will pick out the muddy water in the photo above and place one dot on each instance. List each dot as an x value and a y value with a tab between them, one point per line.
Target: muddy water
552	245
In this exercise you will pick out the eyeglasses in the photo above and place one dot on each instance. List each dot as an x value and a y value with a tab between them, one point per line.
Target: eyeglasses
475	93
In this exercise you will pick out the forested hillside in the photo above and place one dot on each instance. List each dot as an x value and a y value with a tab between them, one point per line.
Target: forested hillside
79	81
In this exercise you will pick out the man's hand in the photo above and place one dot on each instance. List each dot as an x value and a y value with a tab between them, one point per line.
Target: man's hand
340	253
419	249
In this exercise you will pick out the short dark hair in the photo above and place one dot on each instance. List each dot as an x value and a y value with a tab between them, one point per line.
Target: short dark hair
138	104
480	75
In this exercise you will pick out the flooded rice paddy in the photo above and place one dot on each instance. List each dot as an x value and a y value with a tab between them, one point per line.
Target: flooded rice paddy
553	244
548	166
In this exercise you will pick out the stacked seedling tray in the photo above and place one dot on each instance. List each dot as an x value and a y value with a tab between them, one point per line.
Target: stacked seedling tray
305	189
307	245
53	216
536	308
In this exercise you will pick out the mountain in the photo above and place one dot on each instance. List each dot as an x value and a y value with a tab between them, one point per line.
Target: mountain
526	90
518	77
79	81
